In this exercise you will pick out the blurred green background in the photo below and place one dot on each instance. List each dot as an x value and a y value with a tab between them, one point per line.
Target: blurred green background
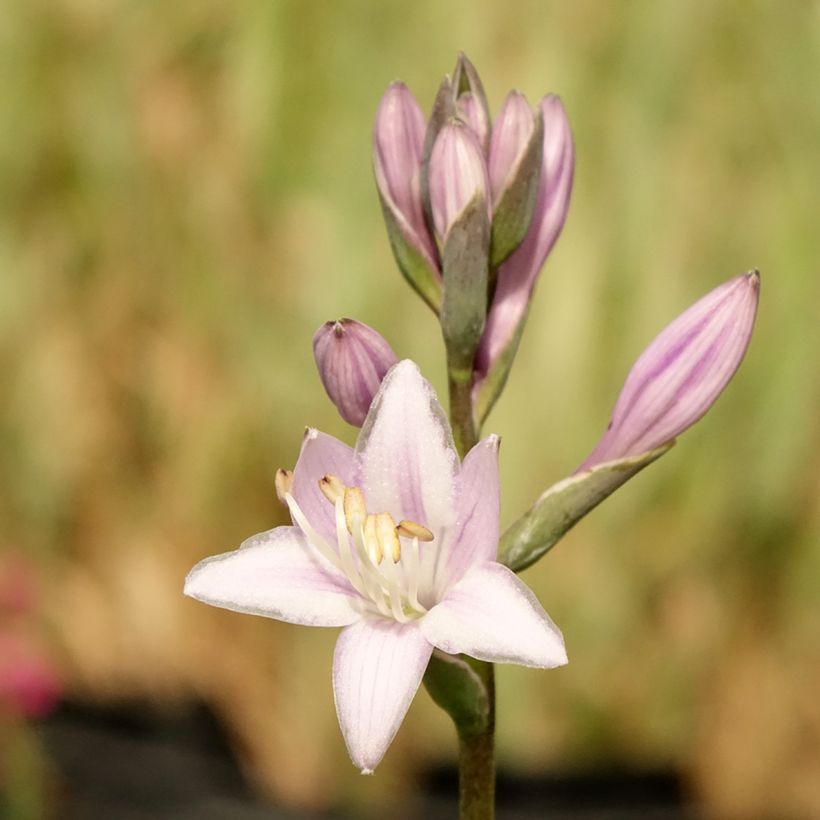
186	193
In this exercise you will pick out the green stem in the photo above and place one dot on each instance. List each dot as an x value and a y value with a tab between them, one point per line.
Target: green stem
476	760
461	411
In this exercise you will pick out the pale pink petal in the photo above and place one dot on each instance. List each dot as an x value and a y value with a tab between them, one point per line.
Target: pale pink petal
407	458
377	668
278	575
321	455
475	535
493	616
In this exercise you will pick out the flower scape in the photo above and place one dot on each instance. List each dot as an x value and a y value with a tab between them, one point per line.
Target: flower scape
396	540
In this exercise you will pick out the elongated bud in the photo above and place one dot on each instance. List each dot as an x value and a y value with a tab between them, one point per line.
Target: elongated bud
398	144
518	273
682	372
516	157
352	359
458	176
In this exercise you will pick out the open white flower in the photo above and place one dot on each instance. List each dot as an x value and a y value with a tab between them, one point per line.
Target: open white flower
395	541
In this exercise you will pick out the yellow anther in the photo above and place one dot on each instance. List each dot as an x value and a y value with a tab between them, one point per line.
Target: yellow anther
410	529
331	487
355	510
283	482
388	537
371	540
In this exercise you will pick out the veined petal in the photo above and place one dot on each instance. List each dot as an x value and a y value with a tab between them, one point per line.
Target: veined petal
493	616
321	455
278	575
407	459
377	668
475	535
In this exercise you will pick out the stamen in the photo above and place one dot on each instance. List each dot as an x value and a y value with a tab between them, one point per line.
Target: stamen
371	540
283	482
354	507
331	487
410	529
412	571
310	533
388	537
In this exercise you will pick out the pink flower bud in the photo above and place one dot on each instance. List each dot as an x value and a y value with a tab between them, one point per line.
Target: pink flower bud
682	372
352	359
518	273
511	134
471	110
398	142
458	174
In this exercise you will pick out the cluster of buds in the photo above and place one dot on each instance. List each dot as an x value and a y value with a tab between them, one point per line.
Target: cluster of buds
472	210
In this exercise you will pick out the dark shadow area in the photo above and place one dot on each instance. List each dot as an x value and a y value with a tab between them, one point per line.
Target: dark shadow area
133	762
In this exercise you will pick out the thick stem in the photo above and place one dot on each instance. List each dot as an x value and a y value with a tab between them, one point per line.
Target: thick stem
476	760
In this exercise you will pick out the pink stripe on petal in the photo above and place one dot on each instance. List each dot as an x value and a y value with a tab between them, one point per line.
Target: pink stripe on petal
278	575
493	616
377	668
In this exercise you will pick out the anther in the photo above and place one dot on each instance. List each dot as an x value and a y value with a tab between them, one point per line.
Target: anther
283	482
410	529
355	510
331	487
371	540
388	537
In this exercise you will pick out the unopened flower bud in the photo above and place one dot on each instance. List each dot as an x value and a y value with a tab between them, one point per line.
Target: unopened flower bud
398	144
458	176
470	109
352	359
518	273
513	129
682	372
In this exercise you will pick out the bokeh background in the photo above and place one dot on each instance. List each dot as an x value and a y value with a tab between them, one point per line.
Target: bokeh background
186	193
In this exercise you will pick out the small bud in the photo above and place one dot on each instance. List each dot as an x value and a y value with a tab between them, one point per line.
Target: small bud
458	175
283	482
682	372
352	359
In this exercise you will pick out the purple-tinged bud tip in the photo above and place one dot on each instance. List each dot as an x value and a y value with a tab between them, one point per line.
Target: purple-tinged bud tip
511	134
458	174
352	360
682	372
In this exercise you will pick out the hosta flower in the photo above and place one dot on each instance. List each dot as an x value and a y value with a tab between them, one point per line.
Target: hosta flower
394	541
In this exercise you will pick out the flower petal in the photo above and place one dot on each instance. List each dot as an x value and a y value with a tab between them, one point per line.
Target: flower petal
321	454
493	616
475	535
406	453
278	575
377	668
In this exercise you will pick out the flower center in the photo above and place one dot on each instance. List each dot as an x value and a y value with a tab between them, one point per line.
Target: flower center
380	558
